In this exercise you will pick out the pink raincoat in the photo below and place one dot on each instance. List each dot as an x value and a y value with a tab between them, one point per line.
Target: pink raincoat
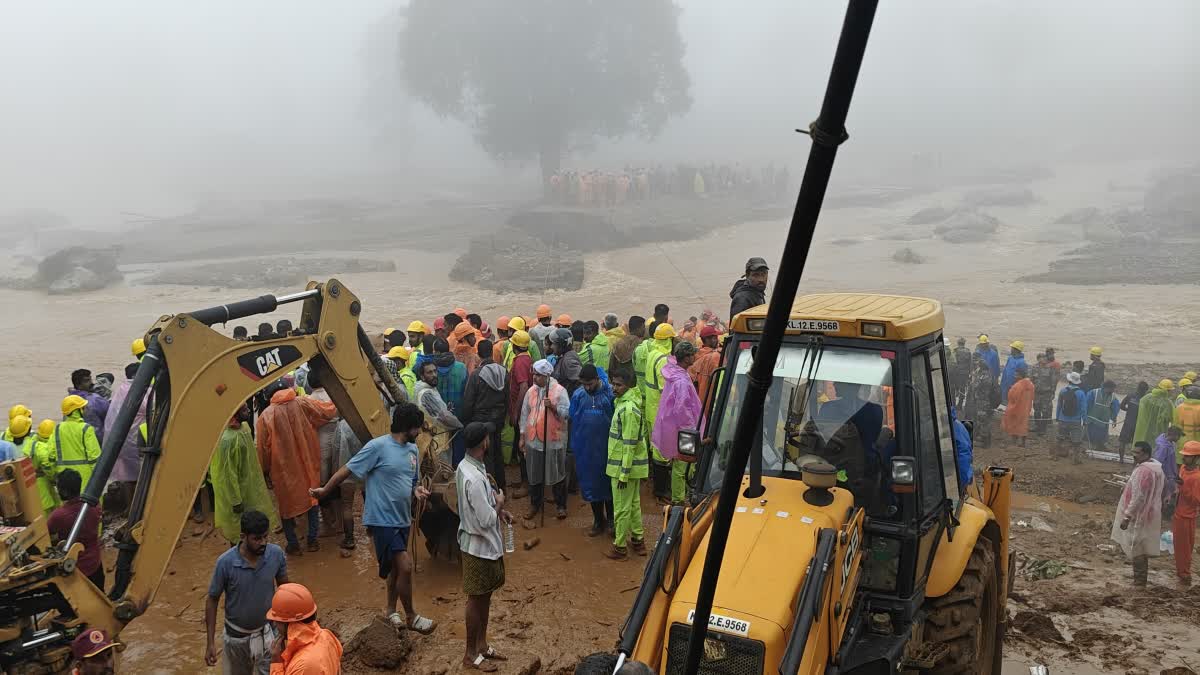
128	460
1141	502
678	408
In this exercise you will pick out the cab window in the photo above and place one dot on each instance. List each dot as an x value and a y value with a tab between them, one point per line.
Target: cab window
841	414
945	430
926	435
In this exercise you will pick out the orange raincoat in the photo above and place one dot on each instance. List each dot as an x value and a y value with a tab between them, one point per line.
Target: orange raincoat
1020	403
465	353
310	650
707	360
288	449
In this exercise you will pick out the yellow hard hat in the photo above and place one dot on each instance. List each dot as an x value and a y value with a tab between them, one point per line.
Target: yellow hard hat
983	339
664	331
72	403
517	323
1018	345
1096	351
45	428
520	338
1185	382
1166	384
388	331
19	426
399	352
1190	375
417	327
138	347
19	410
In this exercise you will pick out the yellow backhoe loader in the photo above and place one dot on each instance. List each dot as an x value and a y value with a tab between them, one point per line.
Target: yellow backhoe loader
196	379
829	528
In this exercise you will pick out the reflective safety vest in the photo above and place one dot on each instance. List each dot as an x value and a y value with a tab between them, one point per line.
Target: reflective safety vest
653	393
627	456
80	455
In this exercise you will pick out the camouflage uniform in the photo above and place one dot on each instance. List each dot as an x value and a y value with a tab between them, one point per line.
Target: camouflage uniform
1045	382
980	405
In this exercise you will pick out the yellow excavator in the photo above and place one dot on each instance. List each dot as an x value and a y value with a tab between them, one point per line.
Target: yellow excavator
195	379
830	527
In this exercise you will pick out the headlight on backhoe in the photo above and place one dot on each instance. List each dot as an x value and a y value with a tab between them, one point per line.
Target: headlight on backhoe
904	474
689	440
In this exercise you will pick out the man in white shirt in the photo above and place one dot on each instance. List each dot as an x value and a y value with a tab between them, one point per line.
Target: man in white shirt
481	512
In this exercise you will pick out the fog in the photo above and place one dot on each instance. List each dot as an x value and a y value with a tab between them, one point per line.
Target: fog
129	105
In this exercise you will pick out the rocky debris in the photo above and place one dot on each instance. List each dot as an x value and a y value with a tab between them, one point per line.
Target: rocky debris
379	645
1134	259
967	225
930	215
1080	216
511	261
266	272
76	269
908	256
1173	200
999	196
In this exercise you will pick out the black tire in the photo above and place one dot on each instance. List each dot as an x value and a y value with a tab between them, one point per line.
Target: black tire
967	619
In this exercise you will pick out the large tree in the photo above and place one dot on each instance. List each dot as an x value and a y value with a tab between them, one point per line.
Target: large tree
536	78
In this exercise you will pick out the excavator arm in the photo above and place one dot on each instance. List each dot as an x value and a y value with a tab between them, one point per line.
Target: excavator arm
196	379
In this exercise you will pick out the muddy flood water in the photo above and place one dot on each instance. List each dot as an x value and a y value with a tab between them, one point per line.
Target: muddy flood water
562	600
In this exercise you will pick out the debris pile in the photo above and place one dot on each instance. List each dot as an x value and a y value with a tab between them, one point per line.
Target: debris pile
511	261
908	256
379	645
76	269
966	226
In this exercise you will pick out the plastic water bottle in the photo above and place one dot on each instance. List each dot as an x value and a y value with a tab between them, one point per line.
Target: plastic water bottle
510	541
1166	543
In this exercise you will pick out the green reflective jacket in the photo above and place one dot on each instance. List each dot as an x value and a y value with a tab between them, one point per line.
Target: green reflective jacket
595	352
73	445
627	439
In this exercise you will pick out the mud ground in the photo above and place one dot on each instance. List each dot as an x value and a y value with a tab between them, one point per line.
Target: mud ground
561	601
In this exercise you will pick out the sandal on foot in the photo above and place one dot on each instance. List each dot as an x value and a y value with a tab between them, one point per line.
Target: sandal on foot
494	655
313	546
396	620
294	549
561	514
482	664
638	546
422	625
595	531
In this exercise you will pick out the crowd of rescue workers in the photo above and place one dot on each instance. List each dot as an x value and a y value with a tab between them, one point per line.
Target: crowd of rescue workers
584	407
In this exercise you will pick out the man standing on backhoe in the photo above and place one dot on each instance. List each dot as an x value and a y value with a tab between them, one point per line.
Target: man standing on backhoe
751	289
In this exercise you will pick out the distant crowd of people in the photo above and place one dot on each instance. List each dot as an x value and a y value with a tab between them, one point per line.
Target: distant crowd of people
598	188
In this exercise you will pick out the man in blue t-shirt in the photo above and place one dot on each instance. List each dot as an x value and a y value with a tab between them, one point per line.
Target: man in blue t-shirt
246	575
389	468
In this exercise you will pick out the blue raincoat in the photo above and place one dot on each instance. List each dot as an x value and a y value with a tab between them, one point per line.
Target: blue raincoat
991	357
1015	362
591	417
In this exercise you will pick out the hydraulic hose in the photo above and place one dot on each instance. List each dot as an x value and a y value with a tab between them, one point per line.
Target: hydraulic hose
148	368
827	133
809	603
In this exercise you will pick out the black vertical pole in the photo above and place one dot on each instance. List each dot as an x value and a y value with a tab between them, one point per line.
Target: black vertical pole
827	133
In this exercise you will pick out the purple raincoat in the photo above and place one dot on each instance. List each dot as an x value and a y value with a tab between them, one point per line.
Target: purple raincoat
128	461
679	408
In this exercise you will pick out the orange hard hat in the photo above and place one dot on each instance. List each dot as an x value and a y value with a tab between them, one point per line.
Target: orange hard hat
292	602
502	323
543	311
462	313
1191	449
563	320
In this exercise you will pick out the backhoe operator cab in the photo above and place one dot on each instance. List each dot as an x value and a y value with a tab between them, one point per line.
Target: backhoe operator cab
907	570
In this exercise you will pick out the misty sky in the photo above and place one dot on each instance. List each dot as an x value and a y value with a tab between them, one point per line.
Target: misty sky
133	104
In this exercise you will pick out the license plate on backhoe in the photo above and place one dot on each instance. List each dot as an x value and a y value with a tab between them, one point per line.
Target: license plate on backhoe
814	326
725	624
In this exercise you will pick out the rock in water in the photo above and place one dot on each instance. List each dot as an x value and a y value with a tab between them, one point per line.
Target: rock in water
908	257
77	269
967	225
379	645
928	215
